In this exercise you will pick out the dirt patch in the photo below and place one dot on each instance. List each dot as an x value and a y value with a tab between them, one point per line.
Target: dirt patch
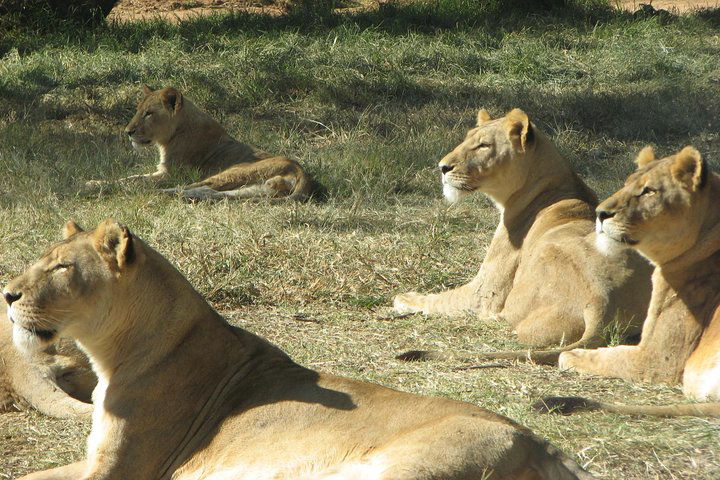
178	10
673	6
175	10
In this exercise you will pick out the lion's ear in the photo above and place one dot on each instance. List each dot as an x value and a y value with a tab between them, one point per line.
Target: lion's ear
483	117
115	244
71	228
645	156
172	99
519	130
147	90
690	169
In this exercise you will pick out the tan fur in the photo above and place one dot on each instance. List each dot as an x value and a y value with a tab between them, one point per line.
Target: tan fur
186	136
184	395
542	273
668	211
57	382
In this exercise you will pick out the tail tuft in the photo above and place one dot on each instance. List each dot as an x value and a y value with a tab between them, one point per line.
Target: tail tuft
565	405
419	356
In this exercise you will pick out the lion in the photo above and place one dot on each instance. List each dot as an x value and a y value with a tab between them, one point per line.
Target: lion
186	136
541	272
667	211
57	382
182	394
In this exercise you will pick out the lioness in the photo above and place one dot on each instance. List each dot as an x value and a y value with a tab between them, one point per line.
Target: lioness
185	135
541	272
57	382
669	211
184	395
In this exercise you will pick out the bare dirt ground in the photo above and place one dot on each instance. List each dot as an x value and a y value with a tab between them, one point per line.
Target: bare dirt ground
177	10
673	6
174	10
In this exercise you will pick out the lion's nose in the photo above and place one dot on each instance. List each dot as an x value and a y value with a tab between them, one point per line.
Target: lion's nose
11	297
603	215
446	168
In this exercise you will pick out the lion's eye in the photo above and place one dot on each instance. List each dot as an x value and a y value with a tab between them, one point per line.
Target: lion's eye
61	267
648	191
481	145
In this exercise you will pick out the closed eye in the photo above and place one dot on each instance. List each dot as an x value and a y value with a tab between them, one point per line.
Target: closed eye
481	145
60	267
648	191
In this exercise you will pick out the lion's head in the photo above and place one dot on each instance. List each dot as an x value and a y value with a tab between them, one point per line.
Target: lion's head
660	209
64	293
491	159
156	118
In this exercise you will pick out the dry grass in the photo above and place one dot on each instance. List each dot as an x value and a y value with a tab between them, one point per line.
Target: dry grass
368	111
316	280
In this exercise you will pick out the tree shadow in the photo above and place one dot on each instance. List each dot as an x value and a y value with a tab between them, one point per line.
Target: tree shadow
393	18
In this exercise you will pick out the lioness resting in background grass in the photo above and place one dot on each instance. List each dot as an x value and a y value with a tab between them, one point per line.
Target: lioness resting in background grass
57	382
185	135
542	273
669	211
184	395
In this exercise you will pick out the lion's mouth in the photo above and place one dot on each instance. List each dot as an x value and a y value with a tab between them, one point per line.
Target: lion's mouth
602	229
44	334
628	241
457	184
624	239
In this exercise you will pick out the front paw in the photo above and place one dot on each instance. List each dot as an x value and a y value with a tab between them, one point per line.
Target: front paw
410	302
574	359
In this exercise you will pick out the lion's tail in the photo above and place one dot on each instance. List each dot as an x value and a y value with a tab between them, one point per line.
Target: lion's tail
569	405
542	357
591	338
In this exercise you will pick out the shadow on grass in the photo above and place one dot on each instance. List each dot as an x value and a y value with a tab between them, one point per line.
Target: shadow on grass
390	18
659	112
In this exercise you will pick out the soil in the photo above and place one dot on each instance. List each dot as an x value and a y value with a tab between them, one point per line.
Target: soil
177	10
672	6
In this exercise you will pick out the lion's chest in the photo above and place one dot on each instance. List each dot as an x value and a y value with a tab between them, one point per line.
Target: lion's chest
101	433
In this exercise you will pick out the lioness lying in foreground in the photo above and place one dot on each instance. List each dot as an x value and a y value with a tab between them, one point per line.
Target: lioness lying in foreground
542	273
185	135
669	211
57	382
184	395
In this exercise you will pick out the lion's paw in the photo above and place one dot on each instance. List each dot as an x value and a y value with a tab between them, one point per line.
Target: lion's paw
410	302
573	359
